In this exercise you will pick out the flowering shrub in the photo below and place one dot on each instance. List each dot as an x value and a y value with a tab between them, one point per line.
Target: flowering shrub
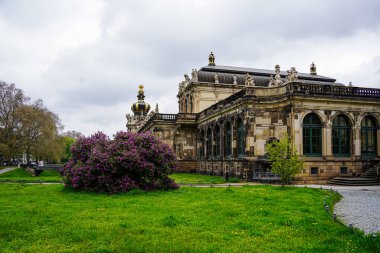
130	161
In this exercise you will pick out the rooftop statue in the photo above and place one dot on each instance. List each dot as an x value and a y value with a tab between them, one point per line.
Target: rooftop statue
277	69
292	75
313	69
216	78
187	78
235	79
211	59
194	75
249	80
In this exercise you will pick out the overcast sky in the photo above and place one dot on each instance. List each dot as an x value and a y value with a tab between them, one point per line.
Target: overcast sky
85	59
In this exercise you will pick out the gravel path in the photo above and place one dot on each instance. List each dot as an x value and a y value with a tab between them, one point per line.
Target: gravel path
360	206
7	169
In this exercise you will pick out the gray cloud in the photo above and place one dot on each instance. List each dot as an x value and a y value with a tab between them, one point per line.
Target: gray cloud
85	59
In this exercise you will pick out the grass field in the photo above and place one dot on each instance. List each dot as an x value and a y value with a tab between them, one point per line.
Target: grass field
188	178
19	175
49	218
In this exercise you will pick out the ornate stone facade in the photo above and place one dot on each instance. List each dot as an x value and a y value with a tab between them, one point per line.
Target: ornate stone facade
224	126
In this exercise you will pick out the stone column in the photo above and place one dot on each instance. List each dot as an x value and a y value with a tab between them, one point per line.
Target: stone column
378	142
327	136
356	141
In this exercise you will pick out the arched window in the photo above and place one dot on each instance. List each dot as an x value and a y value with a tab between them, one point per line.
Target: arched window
217	141
227	139
240	138
312	135
368	134
209	143
201	144
341	140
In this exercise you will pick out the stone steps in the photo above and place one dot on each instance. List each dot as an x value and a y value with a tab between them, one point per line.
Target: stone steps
353	181
371	173
370	177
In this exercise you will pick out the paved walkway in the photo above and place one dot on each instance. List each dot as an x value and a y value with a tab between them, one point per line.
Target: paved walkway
7	169
360	206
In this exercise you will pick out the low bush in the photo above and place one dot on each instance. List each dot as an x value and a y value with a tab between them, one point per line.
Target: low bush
129	161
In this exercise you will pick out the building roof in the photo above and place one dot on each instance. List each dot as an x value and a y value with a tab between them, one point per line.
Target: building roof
261	76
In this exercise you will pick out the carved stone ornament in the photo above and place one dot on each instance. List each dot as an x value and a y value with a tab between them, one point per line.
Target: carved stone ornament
216	77
181	86
249	80
271	82
328	114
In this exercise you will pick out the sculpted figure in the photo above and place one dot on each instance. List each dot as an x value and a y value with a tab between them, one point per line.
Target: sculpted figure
211	59
187	78
249	80
216	77
292	75
194	75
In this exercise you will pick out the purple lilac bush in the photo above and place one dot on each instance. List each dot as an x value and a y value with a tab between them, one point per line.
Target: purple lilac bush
129	161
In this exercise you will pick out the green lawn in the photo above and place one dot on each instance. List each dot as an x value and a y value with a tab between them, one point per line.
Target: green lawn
188	178
19	175
49	218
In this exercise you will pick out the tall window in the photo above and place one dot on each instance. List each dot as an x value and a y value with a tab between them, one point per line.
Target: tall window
201	144
217	141
341	136
227	139
312	135
368	136
240	138
209	143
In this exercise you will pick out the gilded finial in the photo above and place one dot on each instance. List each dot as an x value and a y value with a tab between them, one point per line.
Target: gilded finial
140	108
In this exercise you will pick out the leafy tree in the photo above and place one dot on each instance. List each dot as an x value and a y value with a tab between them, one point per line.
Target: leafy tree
38	131
11	100
284	158
73	134
68	142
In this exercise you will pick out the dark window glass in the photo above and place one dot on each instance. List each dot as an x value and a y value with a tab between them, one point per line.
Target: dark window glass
341	136
314	170
209	143
368	134
240	138
217	141
227	139
312	135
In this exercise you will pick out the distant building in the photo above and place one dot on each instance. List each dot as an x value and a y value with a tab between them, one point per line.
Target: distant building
228	114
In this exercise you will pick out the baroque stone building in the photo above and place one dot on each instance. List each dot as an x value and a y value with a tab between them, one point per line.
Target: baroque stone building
227	115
